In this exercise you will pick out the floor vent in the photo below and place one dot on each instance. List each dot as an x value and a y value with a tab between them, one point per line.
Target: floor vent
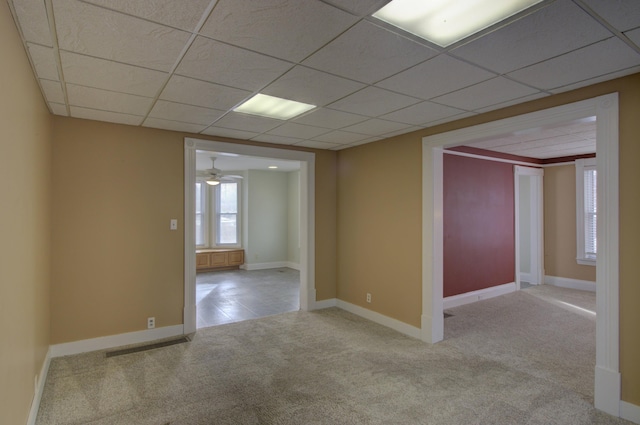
447	315
147	347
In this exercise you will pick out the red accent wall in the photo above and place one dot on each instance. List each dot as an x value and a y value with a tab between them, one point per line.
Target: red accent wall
478	223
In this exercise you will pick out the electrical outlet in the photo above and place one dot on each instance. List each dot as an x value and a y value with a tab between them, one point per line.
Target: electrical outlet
173	224
368	297
151	322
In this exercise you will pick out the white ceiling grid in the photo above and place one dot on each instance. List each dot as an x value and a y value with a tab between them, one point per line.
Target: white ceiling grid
184	65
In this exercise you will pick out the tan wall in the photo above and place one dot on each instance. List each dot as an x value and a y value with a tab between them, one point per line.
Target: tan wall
25	157
380	254
115	261
560	250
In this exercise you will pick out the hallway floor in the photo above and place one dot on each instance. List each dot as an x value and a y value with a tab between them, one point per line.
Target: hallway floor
235	295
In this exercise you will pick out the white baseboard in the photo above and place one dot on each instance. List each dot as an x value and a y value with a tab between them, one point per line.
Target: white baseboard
526	277
113	341
380	319
272	265
630	412
39	389
332	302
480	294
565	282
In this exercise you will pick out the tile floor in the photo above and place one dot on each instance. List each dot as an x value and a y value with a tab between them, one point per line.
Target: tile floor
236	295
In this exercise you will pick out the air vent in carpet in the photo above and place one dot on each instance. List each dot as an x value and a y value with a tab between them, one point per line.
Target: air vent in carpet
147	347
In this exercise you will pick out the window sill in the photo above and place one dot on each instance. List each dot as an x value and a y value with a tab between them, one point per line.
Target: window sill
585	262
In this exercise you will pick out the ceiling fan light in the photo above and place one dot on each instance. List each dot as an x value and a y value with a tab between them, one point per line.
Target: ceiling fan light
213	182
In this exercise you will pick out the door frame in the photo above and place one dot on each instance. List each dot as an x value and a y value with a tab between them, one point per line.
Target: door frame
536	213
605	108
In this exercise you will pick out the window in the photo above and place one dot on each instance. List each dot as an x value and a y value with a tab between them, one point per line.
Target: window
217	211
586	211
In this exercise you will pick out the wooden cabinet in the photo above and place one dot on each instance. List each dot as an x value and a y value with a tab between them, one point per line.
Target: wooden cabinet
214	259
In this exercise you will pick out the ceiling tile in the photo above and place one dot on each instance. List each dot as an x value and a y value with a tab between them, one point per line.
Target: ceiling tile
179	14
43	61
245	122
58	109
373	102
173	125
449	119
512	102
376	127
291	129
328	118
87	29
310	86
591	81
52	91
92	114
421	113
589	62
228	132
200	93
634	36
403	131
32	16
622	14
314	144
491	92
93	98
220	63
368	53
287	29
184	113
272	138
103	74
551	31
436	77
341	137
359	7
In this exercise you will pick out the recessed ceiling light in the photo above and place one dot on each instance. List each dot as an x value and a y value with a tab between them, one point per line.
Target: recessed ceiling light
444	22
273	107
273	167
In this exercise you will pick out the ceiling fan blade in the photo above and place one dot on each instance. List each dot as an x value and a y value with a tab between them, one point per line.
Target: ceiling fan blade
233	176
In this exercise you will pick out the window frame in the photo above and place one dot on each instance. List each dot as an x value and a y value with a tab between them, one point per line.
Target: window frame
210	207
583	165
204	204
217	214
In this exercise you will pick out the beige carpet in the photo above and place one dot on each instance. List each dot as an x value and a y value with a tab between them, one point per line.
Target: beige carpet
517	359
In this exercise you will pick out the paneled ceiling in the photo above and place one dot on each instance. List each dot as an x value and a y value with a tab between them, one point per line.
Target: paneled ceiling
184	65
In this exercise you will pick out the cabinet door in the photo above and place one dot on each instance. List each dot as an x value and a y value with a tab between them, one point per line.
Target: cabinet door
236	258
202	260
219	259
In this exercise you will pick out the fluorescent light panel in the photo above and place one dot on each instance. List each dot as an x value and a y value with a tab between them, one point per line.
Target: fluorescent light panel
273	107
444	22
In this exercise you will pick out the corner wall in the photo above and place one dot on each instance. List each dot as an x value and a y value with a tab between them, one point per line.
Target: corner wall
25	226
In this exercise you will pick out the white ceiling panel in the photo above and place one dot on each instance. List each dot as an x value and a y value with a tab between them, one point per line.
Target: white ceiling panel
622	14
220	63
341	137
368	53
487	93
94	31
328	118
601	78
52	91
376	126
229	132
551	31
314	144
310	86
291	129
519	100
200	93
44	61
373	102
358	7
58	109
33	20
422	112
115	117
93	98
103	74
185	113
173	125
436	77
448	119
272	138
238	121
589	62
403	131
634	36
183	14
266	26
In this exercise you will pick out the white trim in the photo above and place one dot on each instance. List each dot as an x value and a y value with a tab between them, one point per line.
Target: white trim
35	403
307	216
607	383
479	295
526	277
272	265
580	166
536	214
493	158
380	319
630	412
565	282
331	302
605	108
112	341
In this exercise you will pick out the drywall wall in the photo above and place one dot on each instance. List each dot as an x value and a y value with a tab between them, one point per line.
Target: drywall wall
478	224
293	217
560	225
25	226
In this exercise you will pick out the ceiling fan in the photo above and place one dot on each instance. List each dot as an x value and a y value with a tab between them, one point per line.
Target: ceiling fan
213	176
